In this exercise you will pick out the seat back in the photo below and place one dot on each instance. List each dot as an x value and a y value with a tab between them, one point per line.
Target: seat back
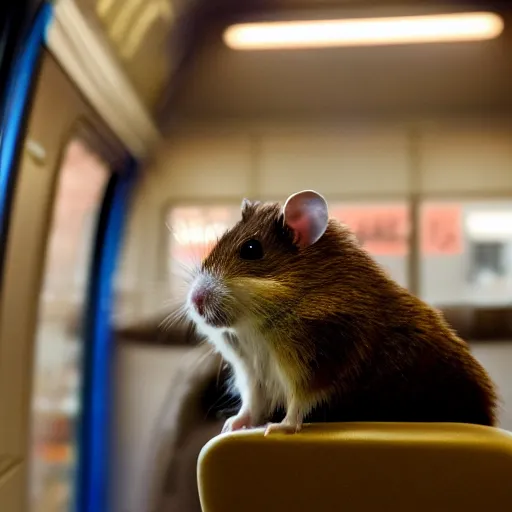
359	467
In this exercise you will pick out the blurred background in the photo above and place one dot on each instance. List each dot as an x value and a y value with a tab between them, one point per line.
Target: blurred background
410	144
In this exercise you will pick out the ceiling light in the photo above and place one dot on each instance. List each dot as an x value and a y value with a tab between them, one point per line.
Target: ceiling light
364	32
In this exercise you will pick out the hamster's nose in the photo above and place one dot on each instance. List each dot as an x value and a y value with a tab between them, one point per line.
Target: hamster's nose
199	298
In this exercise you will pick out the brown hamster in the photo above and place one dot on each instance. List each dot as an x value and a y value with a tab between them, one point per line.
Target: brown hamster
311	324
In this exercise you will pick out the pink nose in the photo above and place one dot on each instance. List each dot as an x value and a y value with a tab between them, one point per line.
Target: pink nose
199	298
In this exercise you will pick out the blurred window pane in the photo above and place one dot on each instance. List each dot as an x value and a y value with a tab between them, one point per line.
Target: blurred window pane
82	179
466	252
487	261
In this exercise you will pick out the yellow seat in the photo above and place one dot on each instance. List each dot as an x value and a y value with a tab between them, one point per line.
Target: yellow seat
359	467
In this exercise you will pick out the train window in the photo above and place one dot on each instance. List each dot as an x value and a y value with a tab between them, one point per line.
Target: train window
487	261
466	252
383	229
81	182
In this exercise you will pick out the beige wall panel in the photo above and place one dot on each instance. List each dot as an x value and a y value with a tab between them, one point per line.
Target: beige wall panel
209	166
334	163
468	159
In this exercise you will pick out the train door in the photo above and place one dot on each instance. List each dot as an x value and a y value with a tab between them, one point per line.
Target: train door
67	161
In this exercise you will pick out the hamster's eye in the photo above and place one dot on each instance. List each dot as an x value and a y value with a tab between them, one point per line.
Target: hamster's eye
251	250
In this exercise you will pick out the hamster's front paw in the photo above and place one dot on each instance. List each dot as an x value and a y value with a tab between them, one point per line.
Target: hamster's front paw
238	422
286	427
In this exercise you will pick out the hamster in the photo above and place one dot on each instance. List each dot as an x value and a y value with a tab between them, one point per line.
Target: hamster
311	325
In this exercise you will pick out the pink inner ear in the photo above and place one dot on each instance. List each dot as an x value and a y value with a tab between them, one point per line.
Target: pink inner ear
300	223
306	214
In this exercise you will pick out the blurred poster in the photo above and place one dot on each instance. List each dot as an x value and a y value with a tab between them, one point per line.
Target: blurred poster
441	230
381	229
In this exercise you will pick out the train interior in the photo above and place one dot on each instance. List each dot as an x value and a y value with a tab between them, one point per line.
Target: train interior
131	130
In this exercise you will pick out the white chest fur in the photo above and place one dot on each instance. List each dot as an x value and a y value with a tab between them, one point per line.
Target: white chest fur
262	364
257	377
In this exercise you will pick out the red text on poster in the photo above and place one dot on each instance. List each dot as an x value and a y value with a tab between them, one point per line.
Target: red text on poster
441	230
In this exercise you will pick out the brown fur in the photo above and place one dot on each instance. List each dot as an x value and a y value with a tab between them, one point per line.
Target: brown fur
354	344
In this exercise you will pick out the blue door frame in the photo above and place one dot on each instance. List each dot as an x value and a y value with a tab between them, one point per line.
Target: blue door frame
93	475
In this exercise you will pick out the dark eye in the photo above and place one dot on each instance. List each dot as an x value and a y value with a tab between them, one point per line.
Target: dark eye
251	250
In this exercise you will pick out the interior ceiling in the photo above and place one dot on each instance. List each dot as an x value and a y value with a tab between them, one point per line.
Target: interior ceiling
173	52
138	31
151	38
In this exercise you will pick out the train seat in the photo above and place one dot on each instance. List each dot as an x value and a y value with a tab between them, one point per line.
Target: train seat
359	467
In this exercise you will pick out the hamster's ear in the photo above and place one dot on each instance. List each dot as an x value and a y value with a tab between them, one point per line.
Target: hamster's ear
306	214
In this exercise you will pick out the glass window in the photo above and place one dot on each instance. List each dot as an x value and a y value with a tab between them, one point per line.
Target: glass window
383	228
81	182
487	261
466	252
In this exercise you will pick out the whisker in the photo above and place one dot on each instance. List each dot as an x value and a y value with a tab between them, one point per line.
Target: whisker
174	318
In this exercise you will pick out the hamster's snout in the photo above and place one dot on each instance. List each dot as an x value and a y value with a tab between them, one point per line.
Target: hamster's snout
207	299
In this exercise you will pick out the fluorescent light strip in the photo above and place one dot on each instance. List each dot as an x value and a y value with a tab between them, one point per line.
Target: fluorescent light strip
364	32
